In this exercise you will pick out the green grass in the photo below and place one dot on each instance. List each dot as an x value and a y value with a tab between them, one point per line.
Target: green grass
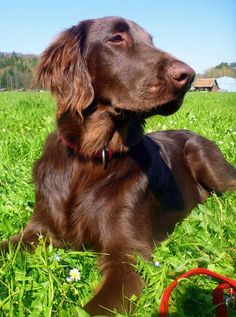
35	284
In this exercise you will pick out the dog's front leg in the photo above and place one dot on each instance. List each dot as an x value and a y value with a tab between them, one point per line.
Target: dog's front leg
28	238
37	228
120	282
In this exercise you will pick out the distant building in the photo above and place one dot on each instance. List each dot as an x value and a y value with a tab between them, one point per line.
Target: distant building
227	83
205	84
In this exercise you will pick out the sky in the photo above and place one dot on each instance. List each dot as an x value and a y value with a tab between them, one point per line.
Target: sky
200	32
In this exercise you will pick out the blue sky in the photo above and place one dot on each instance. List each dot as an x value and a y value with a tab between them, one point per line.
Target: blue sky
201	32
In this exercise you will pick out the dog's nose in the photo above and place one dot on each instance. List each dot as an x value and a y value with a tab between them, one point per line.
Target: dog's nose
181	74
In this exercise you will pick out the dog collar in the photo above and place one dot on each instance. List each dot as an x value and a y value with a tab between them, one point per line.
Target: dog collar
105	155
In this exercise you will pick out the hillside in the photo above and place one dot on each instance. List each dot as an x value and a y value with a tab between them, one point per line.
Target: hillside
223	69
16	70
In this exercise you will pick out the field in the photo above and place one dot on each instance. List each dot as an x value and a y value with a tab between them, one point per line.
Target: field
37	284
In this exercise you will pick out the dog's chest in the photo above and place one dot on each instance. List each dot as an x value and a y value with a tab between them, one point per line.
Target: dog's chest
97	208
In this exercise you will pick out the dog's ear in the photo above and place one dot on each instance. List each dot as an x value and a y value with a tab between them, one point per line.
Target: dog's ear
63	70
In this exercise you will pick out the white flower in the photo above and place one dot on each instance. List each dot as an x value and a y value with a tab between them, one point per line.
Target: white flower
164	126
221	142
4	130
57	257
74	275
40	236
149	131
156	263
68	279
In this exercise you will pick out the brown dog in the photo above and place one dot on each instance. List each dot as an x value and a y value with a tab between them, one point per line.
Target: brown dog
100	181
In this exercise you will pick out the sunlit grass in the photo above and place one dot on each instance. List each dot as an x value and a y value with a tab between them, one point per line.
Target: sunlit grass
37	284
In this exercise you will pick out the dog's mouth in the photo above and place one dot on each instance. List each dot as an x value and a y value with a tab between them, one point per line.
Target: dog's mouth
167	108
162	109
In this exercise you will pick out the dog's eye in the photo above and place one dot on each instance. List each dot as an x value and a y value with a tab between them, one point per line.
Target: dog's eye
116	39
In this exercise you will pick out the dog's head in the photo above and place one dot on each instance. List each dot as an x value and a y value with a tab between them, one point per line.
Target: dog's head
112	61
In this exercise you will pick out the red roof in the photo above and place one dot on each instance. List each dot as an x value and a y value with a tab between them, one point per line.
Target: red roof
204	82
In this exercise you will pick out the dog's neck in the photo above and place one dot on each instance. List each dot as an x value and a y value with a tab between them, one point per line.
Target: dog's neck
100	129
